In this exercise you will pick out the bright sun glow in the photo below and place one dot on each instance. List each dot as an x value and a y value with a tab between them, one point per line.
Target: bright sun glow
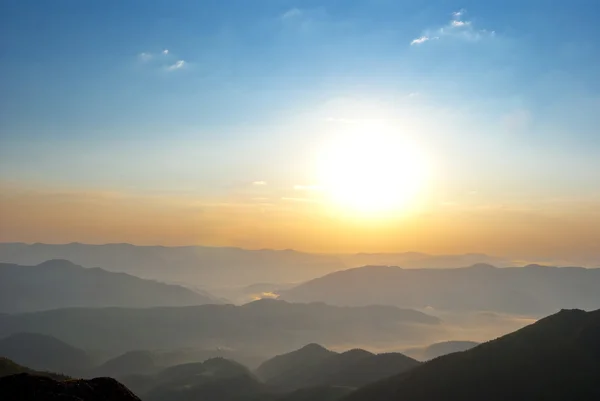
372	170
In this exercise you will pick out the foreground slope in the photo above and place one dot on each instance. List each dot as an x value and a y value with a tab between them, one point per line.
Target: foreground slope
25	387
529	290
60	283
555	359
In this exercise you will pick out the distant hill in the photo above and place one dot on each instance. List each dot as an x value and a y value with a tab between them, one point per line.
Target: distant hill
8	367
193	265
320	393
132	362
60	283
307	356
533	289
265	327
438	349
210	267
45	353
418	260
555	359
315	366
214	379
25	387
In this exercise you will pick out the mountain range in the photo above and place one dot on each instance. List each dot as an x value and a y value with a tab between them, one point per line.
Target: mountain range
529	290
316	366
59	283
554	359
212	267
264	327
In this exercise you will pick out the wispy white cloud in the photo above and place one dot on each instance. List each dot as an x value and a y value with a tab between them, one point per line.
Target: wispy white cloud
259	183
457	27
291	13
179	64
422	39
165	52
145	56
459	13
458	23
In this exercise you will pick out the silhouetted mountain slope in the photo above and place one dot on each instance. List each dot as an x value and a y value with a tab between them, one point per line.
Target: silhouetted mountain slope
133	362
42	352
263	327
213	379
370	369
307	356
314	366
24	387
60	283
8	367
438	349
525	290
320	393
555	359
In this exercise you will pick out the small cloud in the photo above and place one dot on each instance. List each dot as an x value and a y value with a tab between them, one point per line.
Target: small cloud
458	23
165	52
179	64
419	40
459	13
259	183
291	13
145	56
457	27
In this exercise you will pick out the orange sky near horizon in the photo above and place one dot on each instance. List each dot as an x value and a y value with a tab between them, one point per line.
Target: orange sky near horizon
567	230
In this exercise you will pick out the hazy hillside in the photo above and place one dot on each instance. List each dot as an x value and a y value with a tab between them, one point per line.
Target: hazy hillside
213	379
525	290
132	362
46	353
315	366
418	260
555	359
8	367
60	283
194	265
438	349
307	356
211	267
265	327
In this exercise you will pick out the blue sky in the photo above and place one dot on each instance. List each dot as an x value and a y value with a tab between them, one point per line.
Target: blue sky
205	97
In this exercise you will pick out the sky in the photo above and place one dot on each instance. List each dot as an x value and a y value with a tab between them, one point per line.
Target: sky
227	123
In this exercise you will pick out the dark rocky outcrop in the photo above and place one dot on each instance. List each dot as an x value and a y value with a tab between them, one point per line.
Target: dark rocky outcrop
25	387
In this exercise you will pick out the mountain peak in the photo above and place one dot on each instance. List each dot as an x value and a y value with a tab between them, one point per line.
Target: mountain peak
55	263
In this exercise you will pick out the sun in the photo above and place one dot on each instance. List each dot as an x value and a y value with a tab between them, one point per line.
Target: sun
372	170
